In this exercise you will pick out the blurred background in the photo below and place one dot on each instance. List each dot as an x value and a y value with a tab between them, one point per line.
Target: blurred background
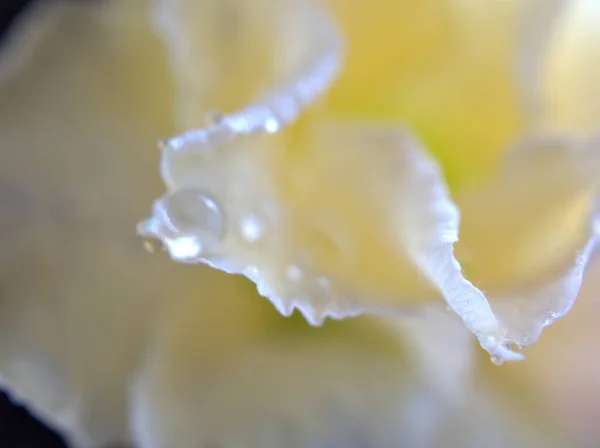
17	427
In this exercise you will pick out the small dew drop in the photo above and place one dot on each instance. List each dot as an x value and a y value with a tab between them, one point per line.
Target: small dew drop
271	126
193	213
550	318
293	273
251	228
496	360
185	249
524	342
251	272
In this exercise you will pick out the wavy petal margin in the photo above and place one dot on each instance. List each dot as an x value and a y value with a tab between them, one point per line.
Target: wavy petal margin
427	220
532	231
281	105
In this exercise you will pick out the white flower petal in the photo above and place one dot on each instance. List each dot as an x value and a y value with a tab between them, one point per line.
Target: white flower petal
395	189
528	235
208	166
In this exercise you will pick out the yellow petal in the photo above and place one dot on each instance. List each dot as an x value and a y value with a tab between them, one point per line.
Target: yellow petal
443	68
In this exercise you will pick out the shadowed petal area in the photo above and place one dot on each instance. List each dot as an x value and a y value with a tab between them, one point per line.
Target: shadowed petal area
350	384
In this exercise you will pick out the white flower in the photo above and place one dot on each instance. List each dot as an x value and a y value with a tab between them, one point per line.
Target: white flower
109	344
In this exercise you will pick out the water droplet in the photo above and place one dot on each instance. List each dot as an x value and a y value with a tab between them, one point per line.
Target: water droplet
497	360
251	228
272	126
251	272
192	213
187	249
550	318
293	273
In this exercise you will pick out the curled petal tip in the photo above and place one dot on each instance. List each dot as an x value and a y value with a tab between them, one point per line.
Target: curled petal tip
500	352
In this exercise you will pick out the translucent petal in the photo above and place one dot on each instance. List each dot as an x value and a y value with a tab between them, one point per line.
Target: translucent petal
357	221
571	388
528	235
